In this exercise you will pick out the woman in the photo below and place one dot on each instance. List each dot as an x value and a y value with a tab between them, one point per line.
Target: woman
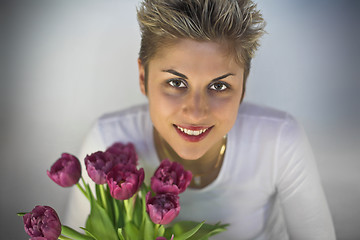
252	166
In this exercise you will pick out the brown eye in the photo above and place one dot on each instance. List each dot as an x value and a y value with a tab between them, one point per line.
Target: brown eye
177	83
218	86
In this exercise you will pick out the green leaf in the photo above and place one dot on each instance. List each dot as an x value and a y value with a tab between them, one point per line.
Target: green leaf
131	231
138	212
20	214
110	207
203	233
143	191
89	233
213	232
61	237
99	223
69	232
117	218
148	228
185	235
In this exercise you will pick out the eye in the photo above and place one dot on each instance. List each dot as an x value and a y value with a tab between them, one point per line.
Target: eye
177	83
218	86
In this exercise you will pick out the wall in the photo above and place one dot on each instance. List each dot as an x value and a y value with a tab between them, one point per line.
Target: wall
64	63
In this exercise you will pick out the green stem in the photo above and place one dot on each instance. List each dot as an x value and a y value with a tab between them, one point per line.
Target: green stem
156	230
82	190
20	214
120	234
103	198
83	181
128	209
116	213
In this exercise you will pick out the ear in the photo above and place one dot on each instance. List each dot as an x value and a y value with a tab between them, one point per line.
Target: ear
141	77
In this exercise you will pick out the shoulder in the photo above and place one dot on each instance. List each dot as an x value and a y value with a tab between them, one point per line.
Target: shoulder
261	112
265	126
254	116
138	111
131	124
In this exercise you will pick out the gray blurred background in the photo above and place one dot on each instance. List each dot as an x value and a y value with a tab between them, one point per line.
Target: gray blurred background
64	63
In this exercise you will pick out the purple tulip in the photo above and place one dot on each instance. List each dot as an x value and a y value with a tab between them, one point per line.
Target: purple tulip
163	208
122	153
66	171
170	177
124	181
98	165
42	223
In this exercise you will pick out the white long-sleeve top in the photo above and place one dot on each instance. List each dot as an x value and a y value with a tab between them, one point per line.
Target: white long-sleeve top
268	186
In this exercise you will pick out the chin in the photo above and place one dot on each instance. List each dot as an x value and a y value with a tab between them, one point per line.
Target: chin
190	155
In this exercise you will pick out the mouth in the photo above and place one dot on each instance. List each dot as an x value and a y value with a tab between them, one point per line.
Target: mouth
193	133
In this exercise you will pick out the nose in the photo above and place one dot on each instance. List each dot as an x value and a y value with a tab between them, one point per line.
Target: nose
196	106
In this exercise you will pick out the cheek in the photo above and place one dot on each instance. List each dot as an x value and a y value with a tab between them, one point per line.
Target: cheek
225	110
163	106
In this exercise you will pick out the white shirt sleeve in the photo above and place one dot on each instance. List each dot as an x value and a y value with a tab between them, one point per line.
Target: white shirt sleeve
78	206
299	187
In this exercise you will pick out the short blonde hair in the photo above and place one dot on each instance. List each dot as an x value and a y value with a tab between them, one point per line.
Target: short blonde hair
235	23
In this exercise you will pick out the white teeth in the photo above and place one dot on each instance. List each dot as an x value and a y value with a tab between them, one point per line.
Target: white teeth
192	132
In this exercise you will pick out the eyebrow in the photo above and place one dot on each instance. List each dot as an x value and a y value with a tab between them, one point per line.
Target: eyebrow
172	71
222	77
175	73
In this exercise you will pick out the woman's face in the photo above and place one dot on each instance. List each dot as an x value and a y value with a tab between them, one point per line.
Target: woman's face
194	91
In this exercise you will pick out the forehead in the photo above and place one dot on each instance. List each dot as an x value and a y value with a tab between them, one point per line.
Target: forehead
191	53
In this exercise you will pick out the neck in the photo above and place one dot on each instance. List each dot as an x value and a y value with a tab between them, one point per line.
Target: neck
204	170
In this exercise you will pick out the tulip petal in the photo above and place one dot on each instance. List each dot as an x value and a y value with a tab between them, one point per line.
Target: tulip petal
42	221
124	181
170	177
66	171
162	208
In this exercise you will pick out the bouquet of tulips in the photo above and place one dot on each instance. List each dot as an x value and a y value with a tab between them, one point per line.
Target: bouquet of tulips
122	206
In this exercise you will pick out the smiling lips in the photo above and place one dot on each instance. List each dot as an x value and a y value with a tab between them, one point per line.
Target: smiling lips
193	134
